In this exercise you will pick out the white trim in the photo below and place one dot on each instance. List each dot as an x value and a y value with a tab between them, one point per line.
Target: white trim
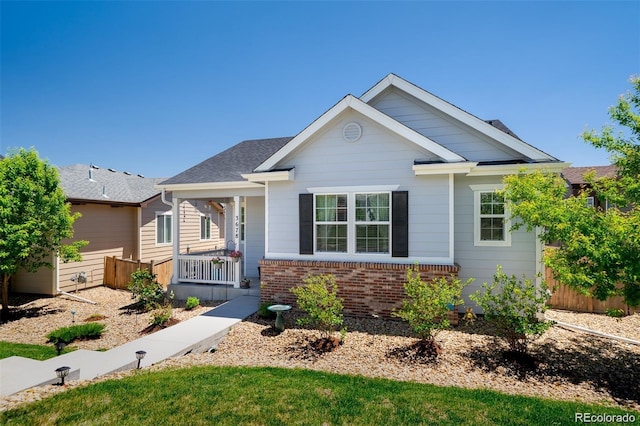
266	217
451	216
443	168
514	169
165	213
368	111
345	189
456	113
206	216
241	184
282	175
477	191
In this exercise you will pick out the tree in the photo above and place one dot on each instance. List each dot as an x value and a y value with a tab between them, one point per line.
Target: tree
599	250
34	218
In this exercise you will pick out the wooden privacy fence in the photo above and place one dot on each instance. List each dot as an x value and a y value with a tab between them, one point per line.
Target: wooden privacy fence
117	272
565	298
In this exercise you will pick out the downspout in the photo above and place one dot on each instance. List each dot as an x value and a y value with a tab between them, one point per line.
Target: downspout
64	293
175	242
164	200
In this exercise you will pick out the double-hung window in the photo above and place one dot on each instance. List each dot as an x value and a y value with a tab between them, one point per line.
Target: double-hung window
353	222
491	217
163	228
205	227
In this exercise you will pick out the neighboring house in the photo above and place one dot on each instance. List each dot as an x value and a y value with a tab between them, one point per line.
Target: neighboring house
376	184
574	176
124	216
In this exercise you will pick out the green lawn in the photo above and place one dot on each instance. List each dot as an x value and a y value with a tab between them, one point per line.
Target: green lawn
272	396
38	352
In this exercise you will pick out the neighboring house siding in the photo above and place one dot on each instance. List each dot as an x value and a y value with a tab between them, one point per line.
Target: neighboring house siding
189	219
480	262
379	158
432	124
110	231
40	282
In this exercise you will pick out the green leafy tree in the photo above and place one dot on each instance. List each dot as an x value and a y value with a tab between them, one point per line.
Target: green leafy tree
318	297
427	306
34	218
599	250
516	306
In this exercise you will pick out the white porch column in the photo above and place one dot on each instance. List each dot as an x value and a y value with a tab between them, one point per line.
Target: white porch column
236	236
175	238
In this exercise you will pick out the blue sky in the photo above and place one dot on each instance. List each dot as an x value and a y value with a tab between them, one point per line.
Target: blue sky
156	87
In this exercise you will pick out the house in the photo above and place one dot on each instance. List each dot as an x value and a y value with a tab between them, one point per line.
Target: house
377	183
123	215
574	176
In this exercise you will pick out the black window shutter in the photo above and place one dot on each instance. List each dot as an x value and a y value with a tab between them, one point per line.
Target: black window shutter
305	211
400	224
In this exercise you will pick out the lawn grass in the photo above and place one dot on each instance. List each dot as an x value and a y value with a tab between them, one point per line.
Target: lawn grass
38	352
273	396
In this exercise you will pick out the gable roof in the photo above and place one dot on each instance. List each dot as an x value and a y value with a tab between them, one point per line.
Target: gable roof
495	131
231	164
89	183
575	175
351	102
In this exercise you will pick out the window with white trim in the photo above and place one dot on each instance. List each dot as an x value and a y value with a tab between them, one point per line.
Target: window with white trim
491	217
205	227
353	222
164	228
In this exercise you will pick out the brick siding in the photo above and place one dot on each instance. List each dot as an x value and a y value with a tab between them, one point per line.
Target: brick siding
367	288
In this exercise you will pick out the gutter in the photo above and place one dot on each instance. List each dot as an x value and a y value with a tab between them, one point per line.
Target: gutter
164	199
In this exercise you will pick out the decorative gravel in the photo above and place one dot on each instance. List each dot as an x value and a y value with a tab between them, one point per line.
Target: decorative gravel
568	365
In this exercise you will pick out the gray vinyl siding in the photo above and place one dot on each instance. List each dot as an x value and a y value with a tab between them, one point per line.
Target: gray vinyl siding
379	158
254	234
444	130
480	262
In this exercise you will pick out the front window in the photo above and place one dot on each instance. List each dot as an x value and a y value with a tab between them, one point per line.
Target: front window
205	228
372	223
163	228
352	223
491	219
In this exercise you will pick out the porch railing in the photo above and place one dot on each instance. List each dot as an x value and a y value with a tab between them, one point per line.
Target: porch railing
200	269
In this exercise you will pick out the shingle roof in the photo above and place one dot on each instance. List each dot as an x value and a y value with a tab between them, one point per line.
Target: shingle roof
229	165
502	127
119	187
575	175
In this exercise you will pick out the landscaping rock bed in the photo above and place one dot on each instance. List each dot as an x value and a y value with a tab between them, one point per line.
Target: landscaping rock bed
566	365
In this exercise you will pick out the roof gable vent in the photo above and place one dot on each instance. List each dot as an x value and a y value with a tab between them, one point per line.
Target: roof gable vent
351	132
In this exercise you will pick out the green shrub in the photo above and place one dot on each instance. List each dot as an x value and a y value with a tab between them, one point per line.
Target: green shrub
265	313
91	330
516	306
192	302
319	299
144	286
428	303
615	312
161	315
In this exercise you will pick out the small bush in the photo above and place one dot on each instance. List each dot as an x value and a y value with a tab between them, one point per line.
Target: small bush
265	313
192	302
615	312
92	330
319	299
516	306
427	306
144	286
160	316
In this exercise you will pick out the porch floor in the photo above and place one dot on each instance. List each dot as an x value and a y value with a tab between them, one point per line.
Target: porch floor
213	291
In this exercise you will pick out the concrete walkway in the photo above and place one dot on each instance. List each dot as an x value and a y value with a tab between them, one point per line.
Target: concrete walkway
197	334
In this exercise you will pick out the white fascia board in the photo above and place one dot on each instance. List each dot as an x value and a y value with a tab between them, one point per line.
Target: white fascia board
514	169
281	175
458	114
210	185
443	168
368	111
